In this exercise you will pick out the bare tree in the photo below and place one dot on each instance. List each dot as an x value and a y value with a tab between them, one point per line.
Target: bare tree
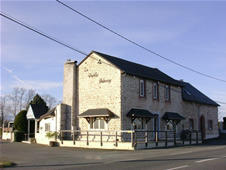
5	109
2	108
14	97
28	97
22	92
50	100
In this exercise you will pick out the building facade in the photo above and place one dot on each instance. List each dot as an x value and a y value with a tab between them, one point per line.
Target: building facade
109	93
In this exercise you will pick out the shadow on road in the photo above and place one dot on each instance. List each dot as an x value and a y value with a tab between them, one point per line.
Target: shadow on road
217	141
52	165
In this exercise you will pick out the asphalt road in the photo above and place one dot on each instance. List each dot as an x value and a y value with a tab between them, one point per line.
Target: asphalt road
32	156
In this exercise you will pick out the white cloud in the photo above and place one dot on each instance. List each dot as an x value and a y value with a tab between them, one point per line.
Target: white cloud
8	70
31	84
37	84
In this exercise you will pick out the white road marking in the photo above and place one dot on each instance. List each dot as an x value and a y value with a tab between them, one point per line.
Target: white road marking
179	167
204	160
178	153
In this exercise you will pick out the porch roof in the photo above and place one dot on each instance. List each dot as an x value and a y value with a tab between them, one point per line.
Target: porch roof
172	116
100	112
140	113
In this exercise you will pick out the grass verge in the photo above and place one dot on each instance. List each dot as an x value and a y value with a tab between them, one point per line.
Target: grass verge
4	164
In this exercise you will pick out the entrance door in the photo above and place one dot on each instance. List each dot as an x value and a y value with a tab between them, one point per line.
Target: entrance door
202	126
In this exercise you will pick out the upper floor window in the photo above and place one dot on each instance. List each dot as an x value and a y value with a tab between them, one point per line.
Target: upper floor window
210	124
191	124
155	90
142	88
167	93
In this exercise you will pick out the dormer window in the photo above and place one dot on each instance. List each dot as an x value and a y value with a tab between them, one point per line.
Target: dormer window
155	90
142	88
167	93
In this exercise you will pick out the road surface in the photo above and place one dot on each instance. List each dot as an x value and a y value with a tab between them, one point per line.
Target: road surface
33	156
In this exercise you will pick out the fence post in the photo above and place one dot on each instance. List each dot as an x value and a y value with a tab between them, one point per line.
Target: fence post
135	138
101	142
132	141
87	138
146	139
61	136
202	136
166	139
156	138
197	138
116	138
190	136
73	137
174	137
183	140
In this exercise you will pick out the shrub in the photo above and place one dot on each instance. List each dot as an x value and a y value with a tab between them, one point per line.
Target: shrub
20	122
51	134
19	136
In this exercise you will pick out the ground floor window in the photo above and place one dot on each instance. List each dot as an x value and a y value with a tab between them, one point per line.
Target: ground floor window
169	126
47	127
97	123
139	123
210	124
191	124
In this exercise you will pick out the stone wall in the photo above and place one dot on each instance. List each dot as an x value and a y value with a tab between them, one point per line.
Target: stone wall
99	87
131	99
69	93
195	111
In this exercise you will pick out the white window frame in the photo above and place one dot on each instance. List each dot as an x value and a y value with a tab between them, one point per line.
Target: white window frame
98	119
47	125
142	122
142	88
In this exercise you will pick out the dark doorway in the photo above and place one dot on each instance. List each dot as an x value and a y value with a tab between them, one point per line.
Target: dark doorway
202	126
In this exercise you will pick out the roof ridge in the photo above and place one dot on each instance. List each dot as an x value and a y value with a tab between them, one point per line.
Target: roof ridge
125	60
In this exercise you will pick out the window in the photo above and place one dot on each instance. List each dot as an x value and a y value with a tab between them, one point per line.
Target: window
142	88
138	123
167	93
169	126
210	124
155	91
47	127
97	124
191	124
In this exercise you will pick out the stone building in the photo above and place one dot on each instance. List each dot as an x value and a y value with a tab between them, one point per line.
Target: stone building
108	93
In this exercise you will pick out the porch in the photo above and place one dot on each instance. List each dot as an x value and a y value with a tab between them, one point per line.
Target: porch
121	140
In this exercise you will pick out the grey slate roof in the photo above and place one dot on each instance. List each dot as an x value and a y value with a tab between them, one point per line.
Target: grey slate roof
139	113
48	114
172	116
140	70
101	112
38	110
191	94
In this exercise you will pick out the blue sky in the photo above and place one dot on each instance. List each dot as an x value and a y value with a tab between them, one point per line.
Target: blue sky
191	33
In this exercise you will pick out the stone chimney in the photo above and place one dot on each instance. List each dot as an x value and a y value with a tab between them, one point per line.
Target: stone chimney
70	94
